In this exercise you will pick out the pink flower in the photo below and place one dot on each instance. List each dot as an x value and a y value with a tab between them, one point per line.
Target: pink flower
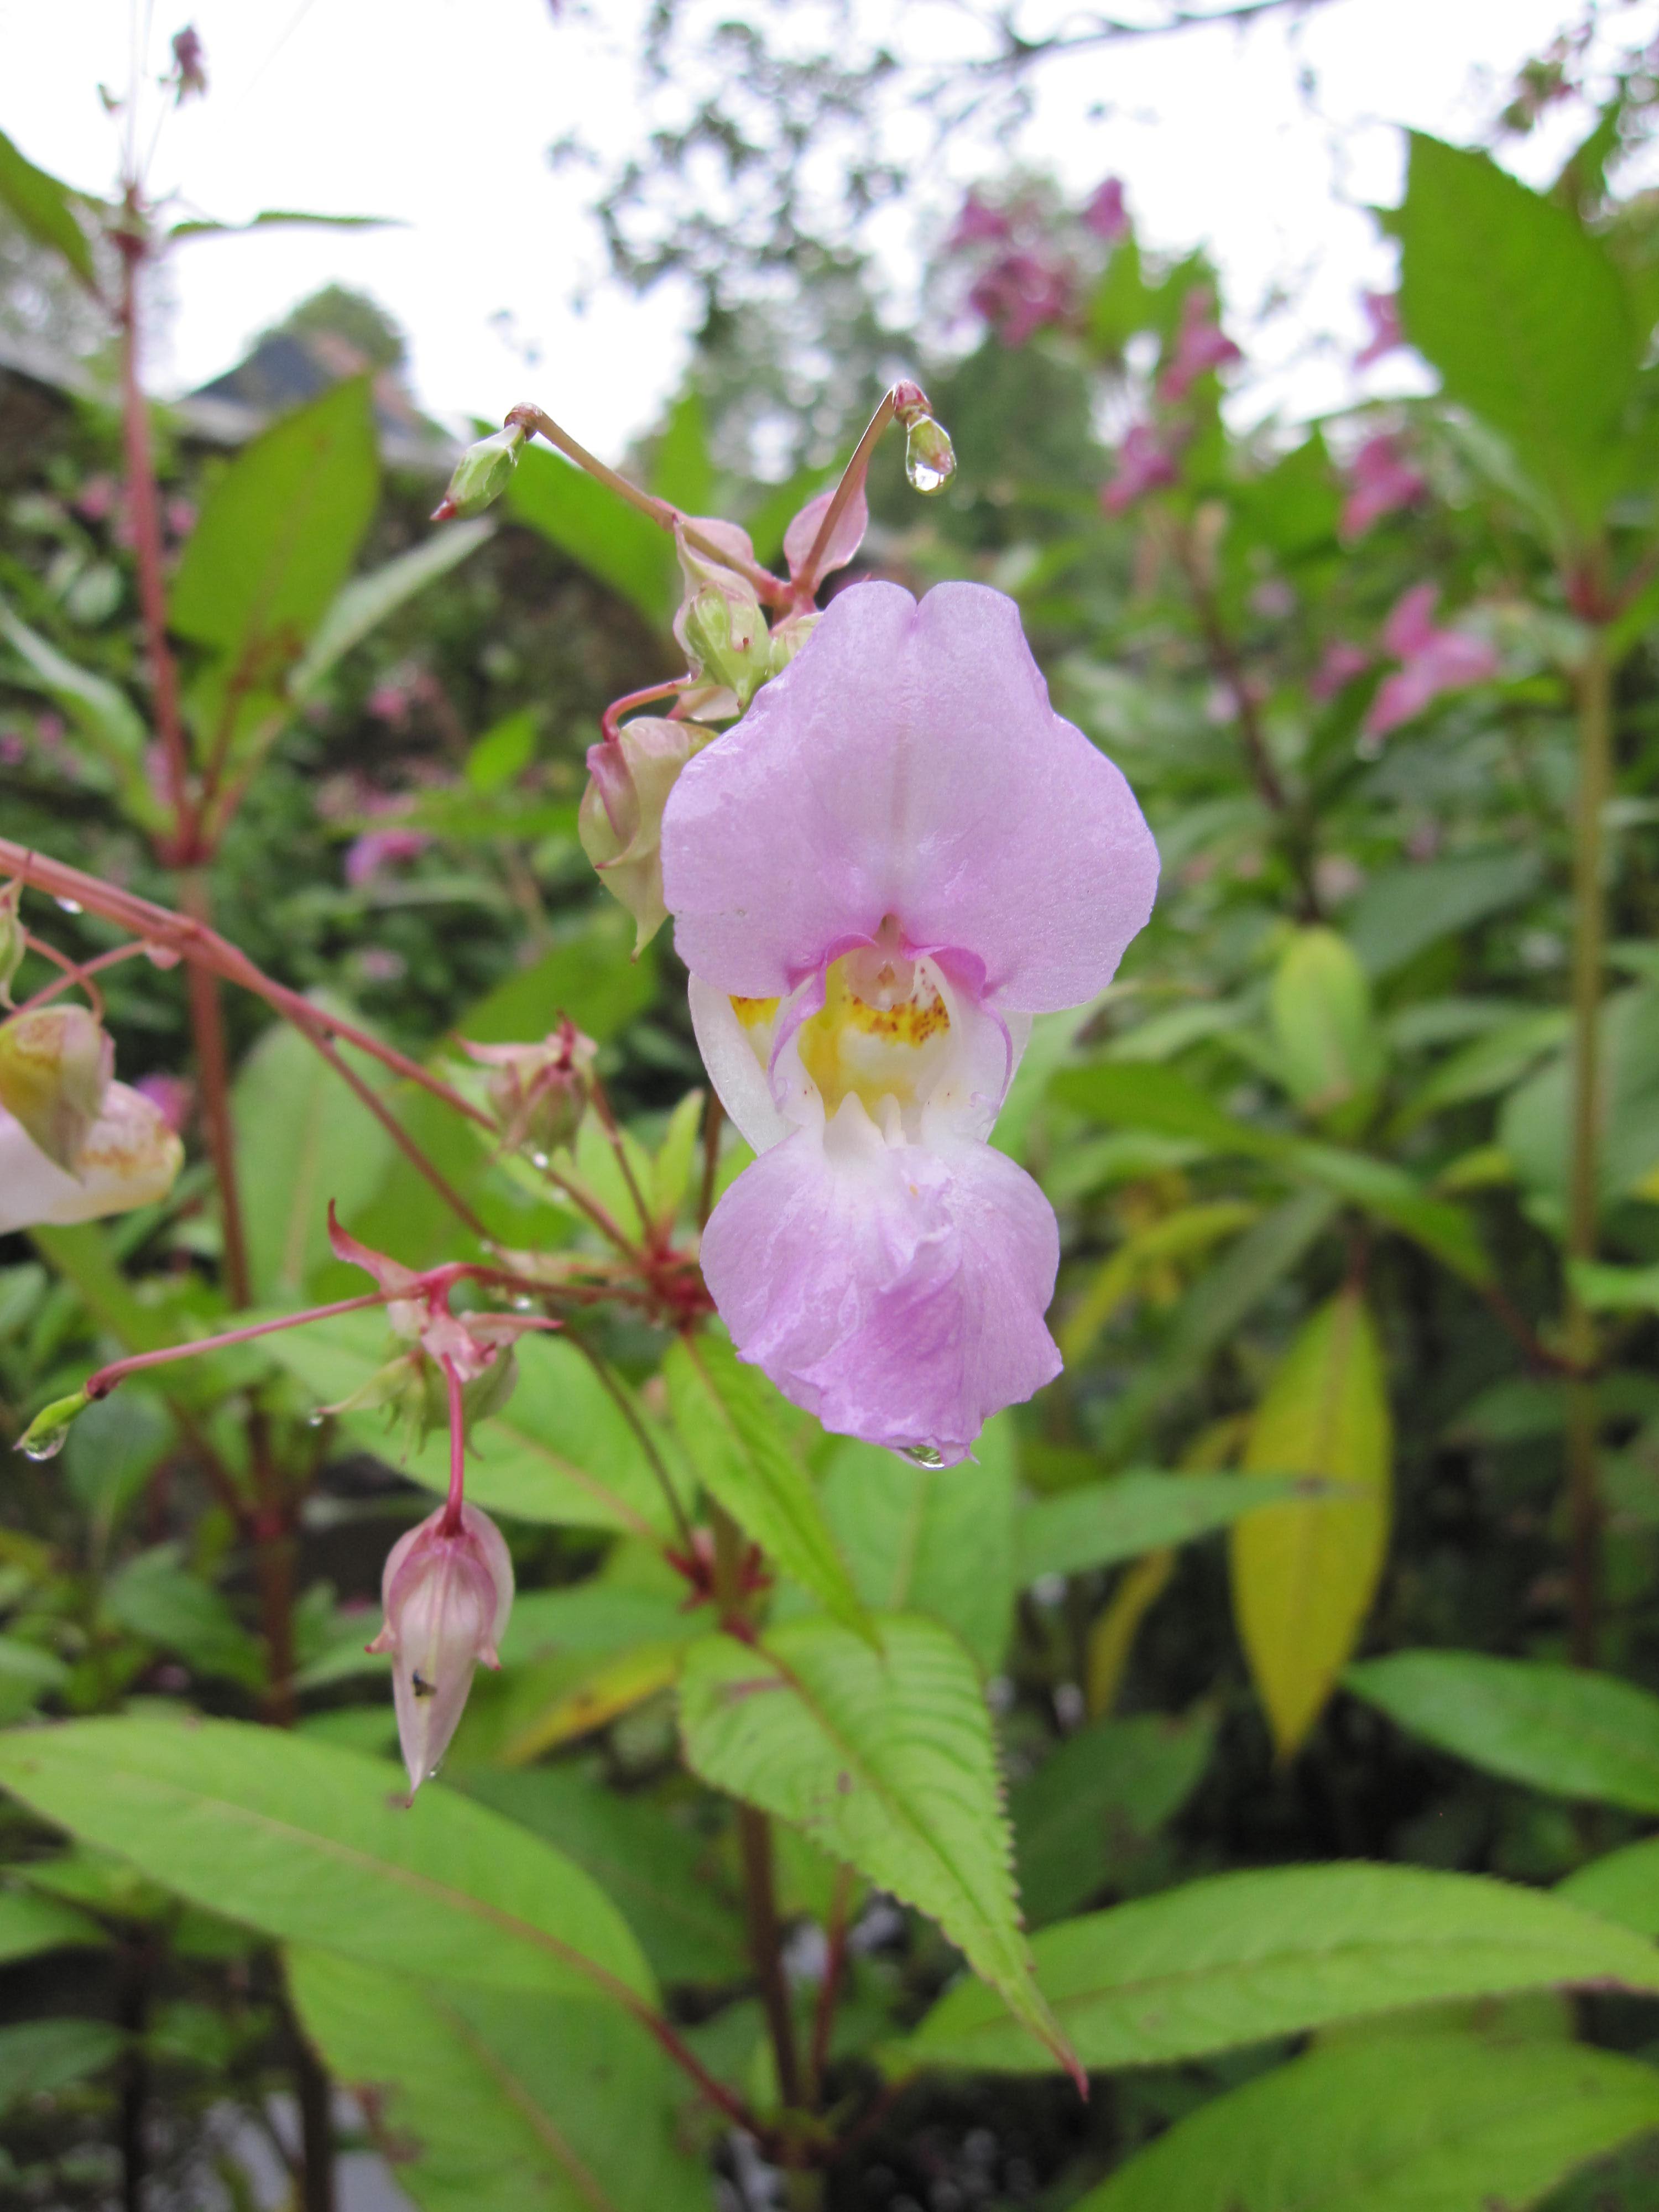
1105	214
1380	482
1341	663
447	1591
1022	293
98	498
1144	464
1201	345
389	703
1383	313
978	224
1433	662
173	1097
898	857
381	848
74	1145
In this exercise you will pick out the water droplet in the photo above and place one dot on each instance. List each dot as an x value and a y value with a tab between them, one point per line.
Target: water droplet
921	1454
524	1305
70	906
48	1432
315	1421
930	459
540	1162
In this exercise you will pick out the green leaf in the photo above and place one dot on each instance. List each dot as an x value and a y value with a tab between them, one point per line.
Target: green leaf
599	531
303	1138
1404	910
284	218
1398	1199
1560	1729
1241	1958
1524	314
1437	2124
1330	1048
886	1758
502	754
367	601
106	718
559	1451
155	1597
1489	1063
312	1844
512	2101
1141	1095
1624	1885
277	535
655	1870
1533	1127
1102	1523
682	469
592	976
30	1925
671	1171
725	1413
1304	1574
46	210
40	2057
932	1539
1097	1800
80	1253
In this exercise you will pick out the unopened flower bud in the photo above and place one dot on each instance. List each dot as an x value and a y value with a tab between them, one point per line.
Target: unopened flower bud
447	1594
482	474
620	819
725	640
55	1066
47	1433
12	944
539	1091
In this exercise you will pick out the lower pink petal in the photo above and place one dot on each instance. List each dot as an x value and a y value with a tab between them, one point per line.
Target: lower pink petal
896	1291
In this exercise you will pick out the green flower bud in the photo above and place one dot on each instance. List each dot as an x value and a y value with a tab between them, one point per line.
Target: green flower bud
482	474
47	1433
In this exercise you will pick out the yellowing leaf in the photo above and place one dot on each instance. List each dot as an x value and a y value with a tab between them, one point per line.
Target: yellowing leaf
1303	1573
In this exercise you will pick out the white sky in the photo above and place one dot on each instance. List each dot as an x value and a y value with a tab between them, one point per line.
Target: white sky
439	113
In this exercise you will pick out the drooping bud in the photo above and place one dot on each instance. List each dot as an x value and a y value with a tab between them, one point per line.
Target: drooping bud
482	474
539	1091
620	819
720	623
447	1597
12	942
47	1433
930	458
55	1065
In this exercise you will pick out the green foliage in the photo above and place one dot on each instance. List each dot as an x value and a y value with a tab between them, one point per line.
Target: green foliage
620	546
1082	1817
1101	1523
46	210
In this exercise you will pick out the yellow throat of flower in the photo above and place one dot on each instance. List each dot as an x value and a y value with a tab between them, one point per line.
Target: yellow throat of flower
883	1030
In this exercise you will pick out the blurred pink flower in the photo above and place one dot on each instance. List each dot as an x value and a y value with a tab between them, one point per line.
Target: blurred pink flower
1021	294
1433	662
173	1097
898	857
389	703
97	498
381	848
13	748
1383	313
1379	482
1201	345
181	517
1341	663
979	224
1105	213
1144	464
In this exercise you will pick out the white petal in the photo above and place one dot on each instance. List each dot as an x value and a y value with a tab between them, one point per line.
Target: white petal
130	1158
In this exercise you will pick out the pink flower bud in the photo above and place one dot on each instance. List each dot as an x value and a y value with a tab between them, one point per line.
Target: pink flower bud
620	818
539	1093
447	1594
1105	214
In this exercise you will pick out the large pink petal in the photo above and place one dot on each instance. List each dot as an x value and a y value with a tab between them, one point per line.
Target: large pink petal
908	762
897	1293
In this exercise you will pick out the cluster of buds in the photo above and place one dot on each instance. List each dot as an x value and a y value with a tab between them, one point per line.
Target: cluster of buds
540	1093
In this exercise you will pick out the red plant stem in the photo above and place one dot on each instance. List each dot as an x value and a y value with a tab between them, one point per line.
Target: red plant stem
609	720
399	1136
73	973
143	510
100	1384
613	1135
450	1523
830	1988
213	1066
852	478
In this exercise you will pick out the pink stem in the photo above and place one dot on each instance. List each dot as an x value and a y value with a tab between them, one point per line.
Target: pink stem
100	1384
852	478
607	721
73	975
450	1523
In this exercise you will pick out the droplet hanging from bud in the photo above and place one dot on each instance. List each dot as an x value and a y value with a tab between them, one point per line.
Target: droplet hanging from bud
930	459
47	1433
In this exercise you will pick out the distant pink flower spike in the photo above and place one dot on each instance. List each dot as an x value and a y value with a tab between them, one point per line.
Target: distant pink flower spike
978	224
1021	294
1434	662
1105	213
1144	464
1201	345
1380	482
379	848
1342	662
1383	313
898	857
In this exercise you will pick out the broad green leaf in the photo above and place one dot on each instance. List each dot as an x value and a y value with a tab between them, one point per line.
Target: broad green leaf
587	1694
1561	1728
113	1449
508	2101
277	535
1398	1199
1329	1046
932	1539
1616	1290
498	758
107	719
655	1870
1437	2123
82	1254
27	1674
682	469
1303	1574
1241	1958
46	210
1103	1522
592	976
303	1138
156	1597
365	602
312	1844
30	1925
40	2057
560	1450
724	1414
1624	1885
1141	1095
1097	1800
1524	314
1533	1127
884	1758
1186	1234
1406	910
611	540
671	1171
1489	1063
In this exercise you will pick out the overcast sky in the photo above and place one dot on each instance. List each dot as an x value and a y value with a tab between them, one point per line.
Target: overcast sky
439	113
